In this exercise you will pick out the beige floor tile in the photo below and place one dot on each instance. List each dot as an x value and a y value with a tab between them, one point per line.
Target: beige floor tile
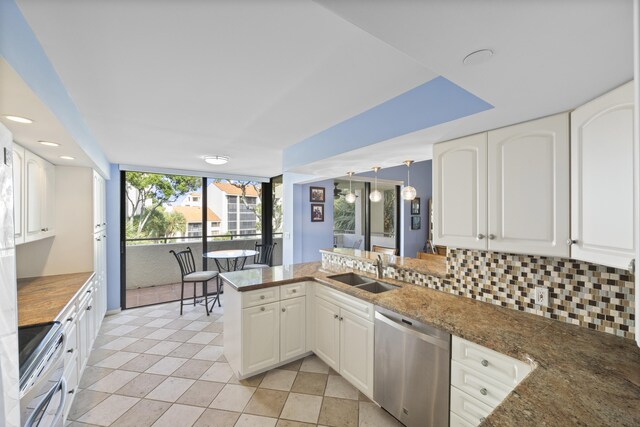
314	364
217	418
98	355
293	366
141	345
170	389
141	363
160	334
186	350
139	321
363	398
246	420
181	336
219	372
121	330
337	386
279	379
158	323
109	410
310	383
253	381
120	319
119	343
202	338
84	401
163	348
371	415
339	412
214	327
195	315
116	360
302	407
233	398
102	340
289	423
78	424
92	374
114	381
141	332
166	366
201	393
196	326
142	414
219	340
179	416
141	385
193	369
210	352
266	402
177	324
157	313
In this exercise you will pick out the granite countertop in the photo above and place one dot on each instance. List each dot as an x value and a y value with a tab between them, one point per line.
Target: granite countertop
581	377
435	267
41	299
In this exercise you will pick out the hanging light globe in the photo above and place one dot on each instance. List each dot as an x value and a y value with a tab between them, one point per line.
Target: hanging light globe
350	198
375	196
408	193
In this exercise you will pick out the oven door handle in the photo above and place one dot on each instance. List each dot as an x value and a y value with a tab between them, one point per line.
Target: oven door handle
42	406
63	400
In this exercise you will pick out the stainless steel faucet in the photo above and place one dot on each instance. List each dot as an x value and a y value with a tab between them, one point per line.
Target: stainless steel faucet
380	265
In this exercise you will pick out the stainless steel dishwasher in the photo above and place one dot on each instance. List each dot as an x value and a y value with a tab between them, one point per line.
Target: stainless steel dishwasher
411	370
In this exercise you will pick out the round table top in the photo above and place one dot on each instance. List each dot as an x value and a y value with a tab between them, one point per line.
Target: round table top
231	253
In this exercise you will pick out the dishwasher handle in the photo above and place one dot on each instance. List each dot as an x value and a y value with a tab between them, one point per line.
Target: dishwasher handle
442	343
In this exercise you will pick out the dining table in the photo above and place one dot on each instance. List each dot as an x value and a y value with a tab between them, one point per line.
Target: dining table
230	259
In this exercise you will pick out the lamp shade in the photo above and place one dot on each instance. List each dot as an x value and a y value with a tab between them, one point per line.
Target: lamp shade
350	197
375	196
408	193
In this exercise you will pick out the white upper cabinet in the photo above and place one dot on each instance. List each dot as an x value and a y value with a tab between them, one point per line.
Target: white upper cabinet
99	208
528	181
37	208
460	192
603	164
18	193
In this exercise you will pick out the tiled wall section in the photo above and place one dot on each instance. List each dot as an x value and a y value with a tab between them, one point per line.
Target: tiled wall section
580	293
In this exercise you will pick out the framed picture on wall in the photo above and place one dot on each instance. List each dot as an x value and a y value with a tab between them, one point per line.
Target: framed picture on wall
317	213
316	194
415	222
415	206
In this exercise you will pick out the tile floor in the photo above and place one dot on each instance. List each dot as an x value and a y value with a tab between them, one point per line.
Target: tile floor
152	367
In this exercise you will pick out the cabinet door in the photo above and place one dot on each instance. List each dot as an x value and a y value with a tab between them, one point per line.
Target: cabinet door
460	192
34	180
603	193
293	327
18	193
83	336
529	187
356	351
327	331
49	200
260	337
91	321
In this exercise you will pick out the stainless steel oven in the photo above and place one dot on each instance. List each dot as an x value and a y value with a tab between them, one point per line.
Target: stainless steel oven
42	386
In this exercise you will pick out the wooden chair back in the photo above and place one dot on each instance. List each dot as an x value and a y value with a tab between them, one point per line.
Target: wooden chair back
384	250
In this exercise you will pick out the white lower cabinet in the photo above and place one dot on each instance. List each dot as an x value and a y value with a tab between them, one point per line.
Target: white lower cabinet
344	338
480	380
293	328
260	337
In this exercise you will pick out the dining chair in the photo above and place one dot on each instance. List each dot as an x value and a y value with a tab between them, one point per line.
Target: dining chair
384	250
263	258
190	275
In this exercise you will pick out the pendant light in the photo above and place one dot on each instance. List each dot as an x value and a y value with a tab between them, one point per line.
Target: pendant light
350	197
375	195
408	192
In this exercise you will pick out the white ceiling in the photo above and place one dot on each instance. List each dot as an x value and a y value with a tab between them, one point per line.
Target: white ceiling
164	83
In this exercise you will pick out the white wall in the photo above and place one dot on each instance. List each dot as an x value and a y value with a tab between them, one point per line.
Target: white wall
71	249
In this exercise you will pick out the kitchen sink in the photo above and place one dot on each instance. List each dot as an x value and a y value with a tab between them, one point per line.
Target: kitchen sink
351	279
377	287
363	282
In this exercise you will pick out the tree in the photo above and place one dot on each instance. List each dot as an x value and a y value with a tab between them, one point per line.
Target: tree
147	192
344	215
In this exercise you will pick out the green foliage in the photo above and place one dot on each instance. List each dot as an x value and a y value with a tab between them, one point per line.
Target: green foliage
389	211
344	215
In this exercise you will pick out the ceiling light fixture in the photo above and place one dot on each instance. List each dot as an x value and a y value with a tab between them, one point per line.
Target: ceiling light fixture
478	57
408	192
216	160
19	119
375	195
350	197
67	158
49	143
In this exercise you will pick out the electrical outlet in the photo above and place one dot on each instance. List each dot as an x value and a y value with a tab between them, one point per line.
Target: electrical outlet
542	296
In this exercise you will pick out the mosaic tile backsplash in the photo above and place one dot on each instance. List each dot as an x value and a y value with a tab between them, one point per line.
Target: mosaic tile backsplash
580	293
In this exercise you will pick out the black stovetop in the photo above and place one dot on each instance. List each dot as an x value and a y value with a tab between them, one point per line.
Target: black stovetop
32	340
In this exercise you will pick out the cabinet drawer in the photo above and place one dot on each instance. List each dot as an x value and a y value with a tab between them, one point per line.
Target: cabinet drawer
293	290
485	389
458	421
261	296
71	343
470	409
505	369
347	302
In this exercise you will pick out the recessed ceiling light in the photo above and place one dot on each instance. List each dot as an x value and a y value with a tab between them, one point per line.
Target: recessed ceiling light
19	119
478	57
67	157
216	160
49	143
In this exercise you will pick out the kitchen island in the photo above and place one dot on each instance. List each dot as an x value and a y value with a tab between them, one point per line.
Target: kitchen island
579	376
